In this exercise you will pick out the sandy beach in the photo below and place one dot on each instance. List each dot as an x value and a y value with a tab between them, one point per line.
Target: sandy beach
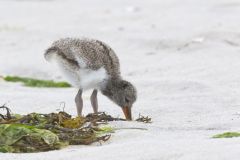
183	56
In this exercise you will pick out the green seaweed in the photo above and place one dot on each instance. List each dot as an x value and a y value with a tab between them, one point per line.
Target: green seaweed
37	132
227	135
30	82
23	138
104	130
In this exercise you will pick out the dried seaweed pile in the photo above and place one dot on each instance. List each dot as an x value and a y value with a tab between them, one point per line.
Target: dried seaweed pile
43	132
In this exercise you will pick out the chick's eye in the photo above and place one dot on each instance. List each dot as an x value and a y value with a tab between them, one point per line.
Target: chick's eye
126	99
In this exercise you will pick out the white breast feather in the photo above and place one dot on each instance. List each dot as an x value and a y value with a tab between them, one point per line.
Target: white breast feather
82	78
92	78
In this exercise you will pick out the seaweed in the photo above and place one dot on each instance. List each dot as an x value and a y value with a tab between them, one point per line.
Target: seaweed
227	135
30	82
144	119
8	114
36	132
23	138
31	132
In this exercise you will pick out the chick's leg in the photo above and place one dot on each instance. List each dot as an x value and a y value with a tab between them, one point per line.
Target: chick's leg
79	102
94	101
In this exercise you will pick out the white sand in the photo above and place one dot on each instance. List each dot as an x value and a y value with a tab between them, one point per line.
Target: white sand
183	56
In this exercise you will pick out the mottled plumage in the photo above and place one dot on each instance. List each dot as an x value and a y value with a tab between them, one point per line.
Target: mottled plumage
90	63
94	53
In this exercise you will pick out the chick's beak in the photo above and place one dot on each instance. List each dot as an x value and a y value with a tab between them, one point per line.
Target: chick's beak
127	112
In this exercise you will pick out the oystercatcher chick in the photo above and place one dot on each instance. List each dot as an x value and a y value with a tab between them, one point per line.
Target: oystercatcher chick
92	64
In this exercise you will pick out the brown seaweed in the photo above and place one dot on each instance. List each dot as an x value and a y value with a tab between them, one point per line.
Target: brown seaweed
69	130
